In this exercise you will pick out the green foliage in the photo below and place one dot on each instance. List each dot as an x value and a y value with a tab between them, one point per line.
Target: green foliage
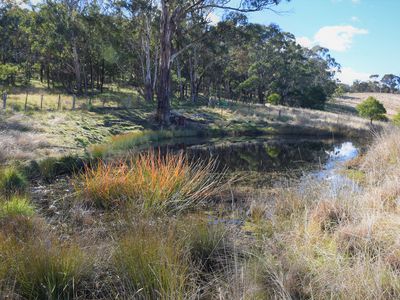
12	181
314	97
396	119
274	99
48	168
16	207
8	73
372	109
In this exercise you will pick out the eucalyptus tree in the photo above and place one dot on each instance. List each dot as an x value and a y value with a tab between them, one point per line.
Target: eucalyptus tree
173	14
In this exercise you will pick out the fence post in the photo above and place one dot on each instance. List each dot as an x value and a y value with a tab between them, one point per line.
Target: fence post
26	102
73	102
4	96
41	102
59	102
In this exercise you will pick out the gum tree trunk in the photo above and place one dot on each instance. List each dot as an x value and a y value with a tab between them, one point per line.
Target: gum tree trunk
163	93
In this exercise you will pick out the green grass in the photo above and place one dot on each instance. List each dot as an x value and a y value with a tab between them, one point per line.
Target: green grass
153	264
12	181
15	207
49	271
129	141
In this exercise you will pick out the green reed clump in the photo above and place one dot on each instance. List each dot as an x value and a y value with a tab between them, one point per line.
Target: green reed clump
153	264
49	270
12	181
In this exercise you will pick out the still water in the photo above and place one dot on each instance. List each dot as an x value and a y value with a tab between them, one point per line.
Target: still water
269	161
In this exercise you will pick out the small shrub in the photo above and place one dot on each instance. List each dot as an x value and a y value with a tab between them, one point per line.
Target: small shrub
274	99
12	182
372	109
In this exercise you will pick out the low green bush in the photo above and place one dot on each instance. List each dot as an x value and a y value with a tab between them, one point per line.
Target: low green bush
274	99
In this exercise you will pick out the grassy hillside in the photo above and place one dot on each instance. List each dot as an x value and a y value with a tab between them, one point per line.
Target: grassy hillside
37	132
348	103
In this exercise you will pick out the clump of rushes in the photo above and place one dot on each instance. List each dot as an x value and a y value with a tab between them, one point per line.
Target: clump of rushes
16	206
152	182
208	246
153	264
48	270
12	182
17	217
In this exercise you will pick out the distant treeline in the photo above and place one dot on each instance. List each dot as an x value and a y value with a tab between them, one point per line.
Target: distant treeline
389	83
80	46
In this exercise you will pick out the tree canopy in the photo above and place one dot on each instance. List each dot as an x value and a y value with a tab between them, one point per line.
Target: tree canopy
167	49
372	109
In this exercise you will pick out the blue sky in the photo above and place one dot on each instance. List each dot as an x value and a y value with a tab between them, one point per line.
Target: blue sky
363	35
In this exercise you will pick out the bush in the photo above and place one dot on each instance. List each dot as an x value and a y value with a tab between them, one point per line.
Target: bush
12	182
314	97
372	109
274	99
152	183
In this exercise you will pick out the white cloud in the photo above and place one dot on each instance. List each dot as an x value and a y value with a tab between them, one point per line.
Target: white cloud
355	19
356	1
348	75
336	38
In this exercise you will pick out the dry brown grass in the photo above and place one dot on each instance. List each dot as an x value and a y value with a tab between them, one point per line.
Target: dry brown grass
345	247
390	101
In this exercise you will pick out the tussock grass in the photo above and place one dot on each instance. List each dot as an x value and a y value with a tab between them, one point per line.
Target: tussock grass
344	247
209	246
12	181
154	264
49	270
16	206
152	182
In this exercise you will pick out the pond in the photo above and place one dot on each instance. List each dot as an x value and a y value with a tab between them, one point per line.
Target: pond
270	161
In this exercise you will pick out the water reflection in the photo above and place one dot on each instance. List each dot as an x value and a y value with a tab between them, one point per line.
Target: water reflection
266	161
331	171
